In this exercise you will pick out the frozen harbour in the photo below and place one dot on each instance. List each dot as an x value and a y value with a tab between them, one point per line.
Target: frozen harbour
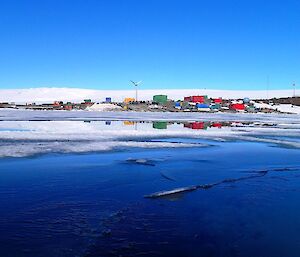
131	184
24	133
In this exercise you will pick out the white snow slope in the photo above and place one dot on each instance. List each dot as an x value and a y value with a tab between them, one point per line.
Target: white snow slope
43	95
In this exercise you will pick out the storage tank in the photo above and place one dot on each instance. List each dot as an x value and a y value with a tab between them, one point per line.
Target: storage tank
246	100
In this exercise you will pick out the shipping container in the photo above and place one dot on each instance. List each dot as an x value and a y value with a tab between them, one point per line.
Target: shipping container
202	105
215	106
108	99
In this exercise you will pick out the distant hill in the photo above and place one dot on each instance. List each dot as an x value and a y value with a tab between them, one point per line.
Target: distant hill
39	95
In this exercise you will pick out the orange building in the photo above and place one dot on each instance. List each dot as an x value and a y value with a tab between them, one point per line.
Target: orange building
129	100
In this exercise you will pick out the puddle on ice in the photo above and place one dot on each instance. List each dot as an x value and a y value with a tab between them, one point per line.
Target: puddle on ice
219	189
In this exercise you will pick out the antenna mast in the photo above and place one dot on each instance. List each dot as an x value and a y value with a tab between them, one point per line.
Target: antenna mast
268	86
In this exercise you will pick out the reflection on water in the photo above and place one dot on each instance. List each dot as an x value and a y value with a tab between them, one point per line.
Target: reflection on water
203	125
24	138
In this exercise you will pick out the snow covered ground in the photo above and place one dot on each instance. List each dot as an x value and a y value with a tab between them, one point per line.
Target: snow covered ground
24	133
285	108
43	95
18	115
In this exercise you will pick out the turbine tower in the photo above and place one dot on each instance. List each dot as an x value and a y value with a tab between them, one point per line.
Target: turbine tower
136	88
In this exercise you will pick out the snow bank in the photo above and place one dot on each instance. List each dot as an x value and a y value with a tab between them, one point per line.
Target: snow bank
18	115
286	108
102	107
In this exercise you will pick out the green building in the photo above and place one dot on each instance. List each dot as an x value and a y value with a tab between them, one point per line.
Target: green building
162	99
160	125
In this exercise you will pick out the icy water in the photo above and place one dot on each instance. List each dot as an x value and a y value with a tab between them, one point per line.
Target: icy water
237	188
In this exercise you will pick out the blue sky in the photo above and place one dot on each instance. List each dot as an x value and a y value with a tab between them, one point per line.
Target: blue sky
215	44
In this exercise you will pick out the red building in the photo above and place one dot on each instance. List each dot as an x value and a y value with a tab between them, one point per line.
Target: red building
187	99
237	107
68	107
195	125
217	100
195	99
217	125
56	103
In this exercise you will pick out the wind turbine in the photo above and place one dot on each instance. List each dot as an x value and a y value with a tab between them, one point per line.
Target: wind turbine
136	88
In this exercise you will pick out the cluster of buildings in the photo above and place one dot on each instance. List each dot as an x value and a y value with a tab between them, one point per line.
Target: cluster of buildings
56	105
205	104
194	103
